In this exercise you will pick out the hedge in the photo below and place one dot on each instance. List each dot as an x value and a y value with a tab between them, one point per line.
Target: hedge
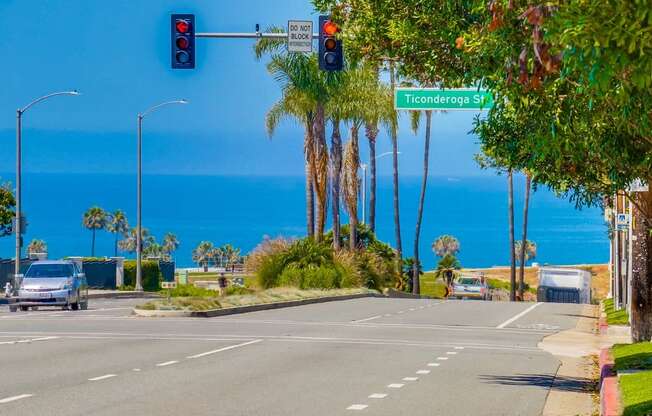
151	275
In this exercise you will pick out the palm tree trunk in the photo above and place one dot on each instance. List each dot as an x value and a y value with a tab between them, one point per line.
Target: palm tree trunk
510	204
320	172
394	137
416	287
372	134
526	205
353	214
93	244
115	246
310	195
336	173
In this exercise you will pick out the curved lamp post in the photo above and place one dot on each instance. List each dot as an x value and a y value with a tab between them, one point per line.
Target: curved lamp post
19	139
139	236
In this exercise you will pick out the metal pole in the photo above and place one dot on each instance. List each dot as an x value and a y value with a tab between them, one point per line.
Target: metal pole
247	35
18	225
139	283
364	193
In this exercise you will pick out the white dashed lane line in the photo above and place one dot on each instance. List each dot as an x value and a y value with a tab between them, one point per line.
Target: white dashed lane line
410	378
165	364
459	348
433	364
357	407
14	398
27	341
395	385
451	352
377	396
230	347
368	319
442	358
423	371
104	377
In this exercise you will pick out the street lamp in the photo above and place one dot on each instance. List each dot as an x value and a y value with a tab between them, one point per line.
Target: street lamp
364	184
139	236
18	226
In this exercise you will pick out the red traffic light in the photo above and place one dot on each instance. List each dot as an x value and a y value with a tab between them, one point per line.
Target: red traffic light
330	44
330	28
182	26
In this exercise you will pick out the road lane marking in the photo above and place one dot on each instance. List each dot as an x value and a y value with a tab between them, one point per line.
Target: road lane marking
395	385
451	352
136	369
518	316
442	358
459	348
165	364
433	364
368	319
377	396
423	371
357	407
26	341
14	398
410	378
203	354
104	377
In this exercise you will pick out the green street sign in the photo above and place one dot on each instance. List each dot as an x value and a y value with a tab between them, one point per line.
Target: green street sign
469	99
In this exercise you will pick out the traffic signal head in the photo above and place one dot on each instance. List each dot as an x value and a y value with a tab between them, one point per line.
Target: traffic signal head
331	56
183	41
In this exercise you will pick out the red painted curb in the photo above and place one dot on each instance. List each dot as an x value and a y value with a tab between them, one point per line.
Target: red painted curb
610	397
602	325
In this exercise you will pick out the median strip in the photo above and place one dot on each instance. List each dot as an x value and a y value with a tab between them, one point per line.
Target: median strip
14	398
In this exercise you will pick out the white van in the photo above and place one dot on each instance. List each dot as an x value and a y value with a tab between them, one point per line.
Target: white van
564	285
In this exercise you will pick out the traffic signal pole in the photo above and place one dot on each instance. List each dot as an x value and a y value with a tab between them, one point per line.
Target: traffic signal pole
247	35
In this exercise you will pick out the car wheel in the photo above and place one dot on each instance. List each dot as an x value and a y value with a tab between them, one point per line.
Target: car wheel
74	306
35	308
24	308
84	305
13	308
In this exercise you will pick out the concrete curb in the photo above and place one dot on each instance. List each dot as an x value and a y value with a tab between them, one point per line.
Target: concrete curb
161	314
276	305
123	295
393	293
609	393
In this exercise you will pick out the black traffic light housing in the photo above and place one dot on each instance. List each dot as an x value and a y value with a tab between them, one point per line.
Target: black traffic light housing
331	56
183	41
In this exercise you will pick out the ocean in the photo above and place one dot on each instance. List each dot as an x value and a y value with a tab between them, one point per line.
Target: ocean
242	210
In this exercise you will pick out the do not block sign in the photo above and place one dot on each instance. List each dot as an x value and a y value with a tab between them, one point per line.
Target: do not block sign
299	36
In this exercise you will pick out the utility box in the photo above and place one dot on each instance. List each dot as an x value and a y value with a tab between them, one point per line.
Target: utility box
562	285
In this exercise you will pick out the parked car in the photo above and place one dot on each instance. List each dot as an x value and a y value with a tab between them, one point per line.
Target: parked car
52	283
470	287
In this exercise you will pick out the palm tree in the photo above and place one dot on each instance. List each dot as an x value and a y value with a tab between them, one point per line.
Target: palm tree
128	244
415	117
37	247
350	184
512	253
118	225
94	219
448	263
529	250
394	138
154	250
446	245
523	247
231	254
170	245
204	254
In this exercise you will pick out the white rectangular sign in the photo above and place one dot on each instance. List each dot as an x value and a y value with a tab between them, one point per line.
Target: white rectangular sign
299	36
168	285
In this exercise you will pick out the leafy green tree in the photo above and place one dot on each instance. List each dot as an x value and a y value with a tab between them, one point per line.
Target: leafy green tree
7	213
448	263
446	245
94	219
37	246
117	225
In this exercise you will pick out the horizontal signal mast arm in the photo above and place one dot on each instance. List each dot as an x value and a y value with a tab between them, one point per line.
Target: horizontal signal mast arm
250	35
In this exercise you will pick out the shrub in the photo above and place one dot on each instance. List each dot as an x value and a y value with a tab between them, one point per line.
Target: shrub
350	273
269	270
237	290
190	291
322	277
150	273
291	277
263	250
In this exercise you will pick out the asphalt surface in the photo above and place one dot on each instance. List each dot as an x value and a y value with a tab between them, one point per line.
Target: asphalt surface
364	356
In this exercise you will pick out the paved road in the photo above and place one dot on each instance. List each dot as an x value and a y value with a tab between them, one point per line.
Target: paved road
366	356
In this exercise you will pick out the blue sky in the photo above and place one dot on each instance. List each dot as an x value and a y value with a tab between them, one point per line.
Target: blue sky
117	54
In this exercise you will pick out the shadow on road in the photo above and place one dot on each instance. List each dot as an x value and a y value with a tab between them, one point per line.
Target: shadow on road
571	384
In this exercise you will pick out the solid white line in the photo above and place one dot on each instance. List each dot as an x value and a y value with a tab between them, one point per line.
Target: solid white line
11	399
102	377
44	338
518	316
410	378
377	396
166	363
357	407
203	354
395	385
423	371
368	319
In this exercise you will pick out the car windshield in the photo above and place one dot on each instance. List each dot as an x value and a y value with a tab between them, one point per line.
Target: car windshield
468	281
49	270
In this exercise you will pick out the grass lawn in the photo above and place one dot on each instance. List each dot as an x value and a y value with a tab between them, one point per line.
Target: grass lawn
636	392
615	317
636	356
432	287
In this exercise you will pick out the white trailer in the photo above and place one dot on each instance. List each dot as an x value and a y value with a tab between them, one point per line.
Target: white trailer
564	285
